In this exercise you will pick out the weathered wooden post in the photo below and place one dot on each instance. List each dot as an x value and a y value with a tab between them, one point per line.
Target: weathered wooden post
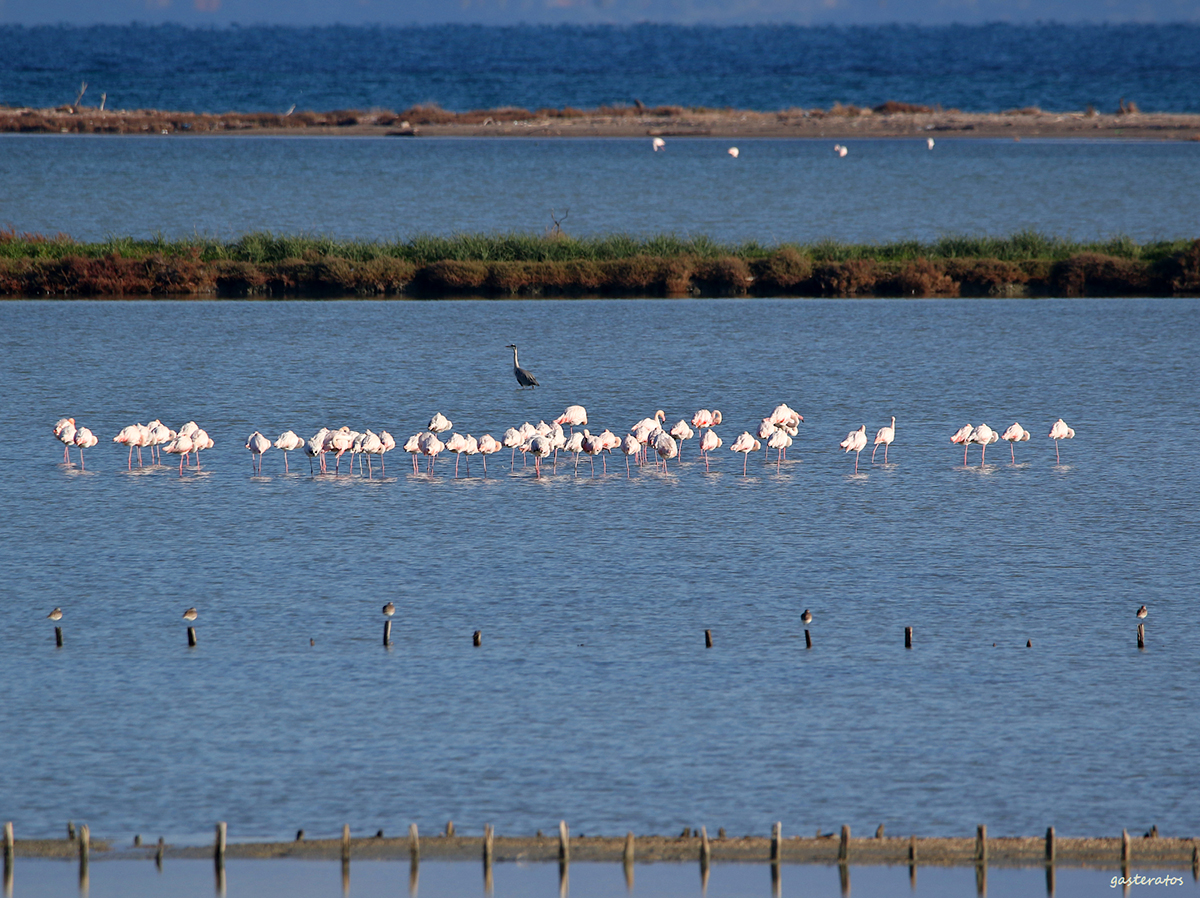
708	639
387	632
477	638
844	846
219	847
1050	880
414	844
345	843
488	847
912	861
1141	636
844	879
627	860
564	842
776	842
807	640
908	637
191	637
9	854
1050	846
158	853
58	637
85	850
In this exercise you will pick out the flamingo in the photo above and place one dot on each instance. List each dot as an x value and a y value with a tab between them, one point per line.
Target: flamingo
84	439
539	447
512	439
574	416
159	434
929	142
840	150
885	436
430	447
64	432
200	440
1060	431
708	443
608	442
785	417
339	440
487	445
733	151
371	445
745	444
413	447
658	143
129	436
574	445
181	446
855	442
389	443
457	444
630	445
288	442
681	432
766	430
666	447
439	423
984	436
258	444
779	441
592	446
1015	434
963	435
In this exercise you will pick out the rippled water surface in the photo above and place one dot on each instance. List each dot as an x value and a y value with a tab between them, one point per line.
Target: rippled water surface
775	191
592	697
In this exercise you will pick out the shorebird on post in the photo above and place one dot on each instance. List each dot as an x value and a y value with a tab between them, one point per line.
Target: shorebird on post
524	378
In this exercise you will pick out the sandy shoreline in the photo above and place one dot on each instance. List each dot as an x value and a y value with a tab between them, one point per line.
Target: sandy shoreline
1001	852
847	123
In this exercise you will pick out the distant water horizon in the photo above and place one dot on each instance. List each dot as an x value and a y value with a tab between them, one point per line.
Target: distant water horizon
976	68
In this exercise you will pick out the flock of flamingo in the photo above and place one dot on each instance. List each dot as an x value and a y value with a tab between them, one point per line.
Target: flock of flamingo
542	441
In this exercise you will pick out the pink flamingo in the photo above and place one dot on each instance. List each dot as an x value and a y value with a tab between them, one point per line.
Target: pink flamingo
64	432
487	445
745	444
885	436
708	442
1060	431
984	436
258	444
855	442
1015	434
963	435
288	442
84	439
181	446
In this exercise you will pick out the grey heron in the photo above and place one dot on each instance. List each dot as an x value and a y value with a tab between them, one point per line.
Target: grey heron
524	378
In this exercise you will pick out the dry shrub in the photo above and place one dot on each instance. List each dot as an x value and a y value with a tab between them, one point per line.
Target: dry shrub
987	277
584	275
176	275
636	273
891	107
1130	108
726	276
855	277
386	275
839	109
924	278
508	277
1182	271
784	269
236	278
451	275
14	277
1094	274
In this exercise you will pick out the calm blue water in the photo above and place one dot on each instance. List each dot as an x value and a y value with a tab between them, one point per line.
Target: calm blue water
302	879
776	191
592	697
983	68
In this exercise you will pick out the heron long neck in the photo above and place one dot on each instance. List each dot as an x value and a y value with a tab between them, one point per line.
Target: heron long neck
515	363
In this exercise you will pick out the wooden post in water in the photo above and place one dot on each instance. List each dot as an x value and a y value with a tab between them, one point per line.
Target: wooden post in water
9	852
708	639
627	860
488	846
908	637
1141	636
219	848
1050	846
387	633
58	637
191	637
85	850
564	842
345	843
844	879
158	853
449	829
1050	880
807	640
776	842
981	857
1195	862
844	845
912	862
1126	849
477	638
981	880
414	844
705	849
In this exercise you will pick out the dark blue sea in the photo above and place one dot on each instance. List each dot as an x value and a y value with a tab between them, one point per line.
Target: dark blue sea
973	68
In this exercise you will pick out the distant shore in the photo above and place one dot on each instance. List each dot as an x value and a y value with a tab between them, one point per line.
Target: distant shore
825	849
892	120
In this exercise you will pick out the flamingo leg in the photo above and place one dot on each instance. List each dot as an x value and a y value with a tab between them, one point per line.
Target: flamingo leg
886	446
965	446
745	458
82	466
285	464
1057	460
1012	452
873	451
626	467
485	466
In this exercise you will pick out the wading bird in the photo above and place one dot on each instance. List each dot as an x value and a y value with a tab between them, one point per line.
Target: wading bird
745	444
984	436
1060	431
855	442
288	442
885	436
963	435
1015	434
84	439
658	143
524	378
64	432
258	444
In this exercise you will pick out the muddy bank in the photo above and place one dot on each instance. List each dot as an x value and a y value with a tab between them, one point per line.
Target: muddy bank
887	120
1158	851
